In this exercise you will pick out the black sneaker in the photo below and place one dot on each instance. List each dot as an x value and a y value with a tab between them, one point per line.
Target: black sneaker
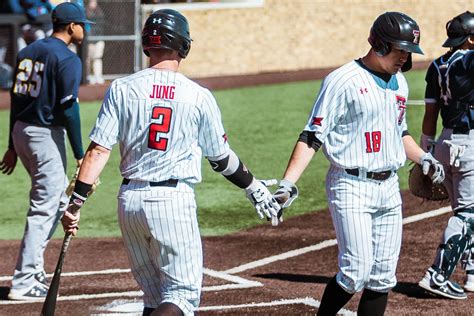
37	292
449	289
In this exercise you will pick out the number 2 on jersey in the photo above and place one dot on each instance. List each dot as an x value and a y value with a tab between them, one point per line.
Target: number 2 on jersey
372	141
162	126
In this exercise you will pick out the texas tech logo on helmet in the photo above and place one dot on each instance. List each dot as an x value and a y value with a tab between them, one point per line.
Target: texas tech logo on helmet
416	35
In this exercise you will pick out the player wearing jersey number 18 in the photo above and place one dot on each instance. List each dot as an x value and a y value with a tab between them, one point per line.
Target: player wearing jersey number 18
359	121
163	122
44	106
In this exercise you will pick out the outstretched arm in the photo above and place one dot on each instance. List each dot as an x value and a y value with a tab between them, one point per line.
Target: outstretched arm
233	169
299	160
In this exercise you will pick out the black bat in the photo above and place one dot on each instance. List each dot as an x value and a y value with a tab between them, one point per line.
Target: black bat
49	304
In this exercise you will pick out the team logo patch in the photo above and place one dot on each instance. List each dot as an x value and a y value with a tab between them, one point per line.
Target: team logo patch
316	121
401	102
416	35
155	40
225	138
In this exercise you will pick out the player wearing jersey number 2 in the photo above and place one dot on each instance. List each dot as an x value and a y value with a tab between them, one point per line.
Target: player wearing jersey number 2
359	121
163	122
44	105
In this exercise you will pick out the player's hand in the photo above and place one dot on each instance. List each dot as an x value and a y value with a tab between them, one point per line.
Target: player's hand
428	162
262	199
71	216
70	219
8	163
286	193
455	152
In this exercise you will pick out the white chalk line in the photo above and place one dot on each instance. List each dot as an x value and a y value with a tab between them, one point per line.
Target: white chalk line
422	216
135	308
225	275
324	244
81	273
238	283
416	102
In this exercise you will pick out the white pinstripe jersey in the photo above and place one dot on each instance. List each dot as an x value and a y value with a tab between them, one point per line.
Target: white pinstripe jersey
360	119
163	122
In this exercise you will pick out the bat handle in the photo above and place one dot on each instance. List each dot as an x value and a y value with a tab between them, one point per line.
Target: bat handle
66	241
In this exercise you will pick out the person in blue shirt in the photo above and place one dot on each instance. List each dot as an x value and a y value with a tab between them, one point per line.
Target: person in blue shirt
44	108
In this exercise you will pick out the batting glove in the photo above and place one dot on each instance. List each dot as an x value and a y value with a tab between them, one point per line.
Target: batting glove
262	199
286	193
455	152
428	162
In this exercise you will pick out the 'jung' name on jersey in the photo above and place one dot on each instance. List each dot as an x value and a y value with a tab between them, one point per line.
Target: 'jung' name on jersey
162	92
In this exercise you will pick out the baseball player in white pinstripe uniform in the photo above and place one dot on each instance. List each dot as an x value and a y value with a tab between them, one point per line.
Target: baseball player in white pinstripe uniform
164	123
359	120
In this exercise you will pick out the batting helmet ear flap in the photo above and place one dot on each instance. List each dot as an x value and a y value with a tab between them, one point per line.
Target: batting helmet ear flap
408	64
380	47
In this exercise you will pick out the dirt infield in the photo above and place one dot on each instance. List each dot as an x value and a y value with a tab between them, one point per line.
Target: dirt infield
260	271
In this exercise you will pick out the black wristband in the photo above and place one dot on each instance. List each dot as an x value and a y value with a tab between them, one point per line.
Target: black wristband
82	189
242	177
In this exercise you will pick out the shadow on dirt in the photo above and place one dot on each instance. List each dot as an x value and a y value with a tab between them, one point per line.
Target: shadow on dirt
413	290
301	278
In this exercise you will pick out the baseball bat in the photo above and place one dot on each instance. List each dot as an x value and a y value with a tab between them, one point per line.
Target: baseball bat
49	304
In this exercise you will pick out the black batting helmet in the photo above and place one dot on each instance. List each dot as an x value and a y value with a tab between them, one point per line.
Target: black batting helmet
395	28
459	29
168	29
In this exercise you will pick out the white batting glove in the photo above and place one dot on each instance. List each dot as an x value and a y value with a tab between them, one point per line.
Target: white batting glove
262	199
455	152
286	193
428	162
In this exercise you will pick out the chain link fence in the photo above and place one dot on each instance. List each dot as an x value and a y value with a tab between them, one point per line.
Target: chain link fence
113	43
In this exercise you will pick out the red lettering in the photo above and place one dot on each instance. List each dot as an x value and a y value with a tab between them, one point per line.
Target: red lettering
373	140
162	92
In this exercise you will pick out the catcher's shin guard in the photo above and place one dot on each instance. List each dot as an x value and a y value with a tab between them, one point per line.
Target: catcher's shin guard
452	250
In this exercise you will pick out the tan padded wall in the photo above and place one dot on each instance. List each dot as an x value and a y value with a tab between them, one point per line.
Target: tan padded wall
285	35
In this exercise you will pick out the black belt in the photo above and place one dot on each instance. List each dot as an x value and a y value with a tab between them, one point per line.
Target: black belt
166	183
380	176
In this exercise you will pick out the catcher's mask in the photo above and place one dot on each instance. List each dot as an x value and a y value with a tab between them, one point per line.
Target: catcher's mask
395	29
169	29
459	29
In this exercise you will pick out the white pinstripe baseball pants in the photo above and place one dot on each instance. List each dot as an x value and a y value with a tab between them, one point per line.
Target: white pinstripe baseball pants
161	235
367	218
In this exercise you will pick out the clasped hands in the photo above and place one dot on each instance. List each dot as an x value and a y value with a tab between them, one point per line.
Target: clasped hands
268	205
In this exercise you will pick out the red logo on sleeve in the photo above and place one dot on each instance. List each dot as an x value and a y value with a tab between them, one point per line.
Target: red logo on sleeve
225	138
401	102
316	121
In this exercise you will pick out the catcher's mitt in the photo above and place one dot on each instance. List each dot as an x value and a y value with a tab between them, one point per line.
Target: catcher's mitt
421	185
72	183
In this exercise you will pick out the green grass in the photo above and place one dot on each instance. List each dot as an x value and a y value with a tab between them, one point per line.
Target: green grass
262	124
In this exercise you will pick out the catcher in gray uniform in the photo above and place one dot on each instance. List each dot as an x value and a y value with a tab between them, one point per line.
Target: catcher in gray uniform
450	92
